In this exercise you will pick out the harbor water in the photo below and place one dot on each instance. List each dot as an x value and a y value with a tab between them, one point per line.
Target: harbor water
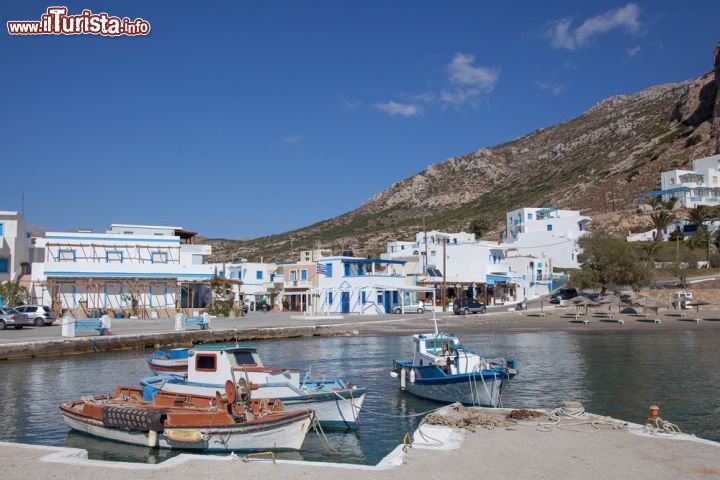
618	374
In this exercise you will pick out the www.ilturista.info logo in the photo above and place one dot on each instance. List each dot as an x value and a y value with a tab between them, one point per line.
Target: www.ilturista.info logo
57	22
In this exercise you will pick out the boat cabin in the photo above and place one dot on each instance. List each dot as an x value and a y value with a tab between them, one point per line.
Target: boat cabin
446	352
215	364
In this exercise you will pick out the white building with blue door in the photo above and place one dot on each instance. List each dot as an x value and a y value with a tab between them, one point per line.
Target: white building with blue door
130	270
366	286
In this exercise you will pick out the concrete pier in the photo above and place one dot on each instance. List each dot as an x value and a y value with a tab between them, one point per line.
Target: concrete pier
591	448
68	346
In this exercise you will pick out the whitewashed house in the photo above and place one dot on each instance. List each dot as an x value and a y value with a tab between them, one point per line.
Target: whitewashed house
549	234
14	247
252	281
128	270
369	286
699	186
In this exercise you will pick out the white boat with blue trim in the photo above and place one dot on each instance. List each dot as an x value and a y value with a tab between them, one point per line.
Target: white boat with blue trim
442	369
336	404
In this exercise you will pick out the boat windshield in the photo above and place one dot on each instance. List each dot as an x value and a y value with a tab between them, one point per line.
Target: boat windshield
442	347
241	357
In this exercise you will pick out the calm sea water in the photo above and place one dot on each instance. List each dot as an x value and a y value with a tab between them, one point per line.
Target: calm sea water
617	374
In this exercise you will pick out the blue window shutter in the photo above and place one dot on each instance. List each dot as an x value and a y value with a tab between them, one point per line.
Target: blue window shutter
328	267
330	299
303	274
259	275
549	228
364	297
2	229
4	265
347	269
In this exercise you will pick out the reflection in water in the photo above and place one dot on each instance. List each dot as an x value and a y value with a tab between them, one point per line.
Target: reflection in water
616	374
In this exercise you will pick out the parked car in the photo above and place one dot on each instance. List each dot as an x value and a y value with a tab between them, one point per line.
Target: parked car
466	306
12	318
41	315
563	294
411	307
595	297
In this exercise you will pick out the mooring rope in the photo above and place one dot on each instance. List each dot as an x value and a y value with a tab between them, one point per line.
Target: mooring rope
574	413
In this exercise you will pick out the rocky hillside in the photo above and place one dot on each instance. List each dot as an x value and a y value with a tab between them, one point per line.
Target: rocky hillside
598	162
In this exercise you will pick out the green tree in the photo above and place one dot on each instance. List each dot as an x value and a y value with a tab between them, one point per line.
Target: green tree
697	216
685	265
223	299
676	235
14	294
479	227
608	262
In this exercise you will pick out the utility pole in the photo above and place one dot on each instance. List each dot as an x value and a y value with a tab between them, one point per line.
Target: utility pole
442	296
426	250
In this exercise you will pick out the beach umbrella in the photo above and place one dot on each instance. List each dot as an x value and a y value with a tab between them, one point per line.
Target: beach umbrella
697	304
584	302
611	300
651	303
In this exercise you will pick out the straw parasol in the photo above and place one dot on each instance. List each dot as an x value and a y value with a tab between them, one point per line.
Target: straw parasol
611	300
584	302
697	304
651	303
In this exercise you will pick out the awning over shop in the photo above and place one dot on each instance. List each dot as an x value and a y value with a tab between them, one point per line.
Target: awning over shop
493	279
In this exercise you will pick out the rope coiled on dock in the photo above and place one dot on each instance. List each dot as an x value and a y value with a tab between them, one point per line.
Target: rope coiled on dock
571	416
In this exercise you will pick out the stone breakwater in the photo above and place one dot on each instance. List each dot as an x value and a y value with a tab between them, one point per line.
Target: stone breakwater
78	345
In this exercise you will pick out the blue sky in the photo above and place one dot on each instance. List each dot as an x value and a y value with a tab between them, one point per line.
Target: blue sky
242	119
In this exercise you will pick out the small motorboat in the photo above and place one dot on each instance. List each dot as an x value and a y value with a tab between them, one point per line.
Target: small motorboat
442	369
336	404
230	422
172	362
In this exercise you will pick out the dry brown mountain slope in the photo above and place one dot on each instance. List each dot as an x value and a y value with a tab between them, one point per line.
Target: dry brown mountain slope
598	162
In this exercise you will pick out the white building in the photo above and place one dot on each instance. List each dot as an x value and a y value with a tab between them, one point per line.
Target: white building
549	234
691	188
14	247
478	268
256	280
130	270
370	286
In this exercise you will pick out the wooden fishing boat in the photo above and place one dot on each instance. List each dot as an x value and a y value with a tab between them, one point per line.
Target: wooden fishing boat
230	422
336	404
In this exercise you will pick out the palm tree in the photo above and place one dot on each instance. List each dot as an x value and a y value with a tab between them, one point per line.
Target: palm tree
655	203
660	220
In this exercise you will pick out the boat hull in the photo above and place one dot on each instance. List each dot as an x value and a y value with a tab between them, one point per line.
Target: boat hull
481	388
333	408
337	412
168	367
288	434
468	392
